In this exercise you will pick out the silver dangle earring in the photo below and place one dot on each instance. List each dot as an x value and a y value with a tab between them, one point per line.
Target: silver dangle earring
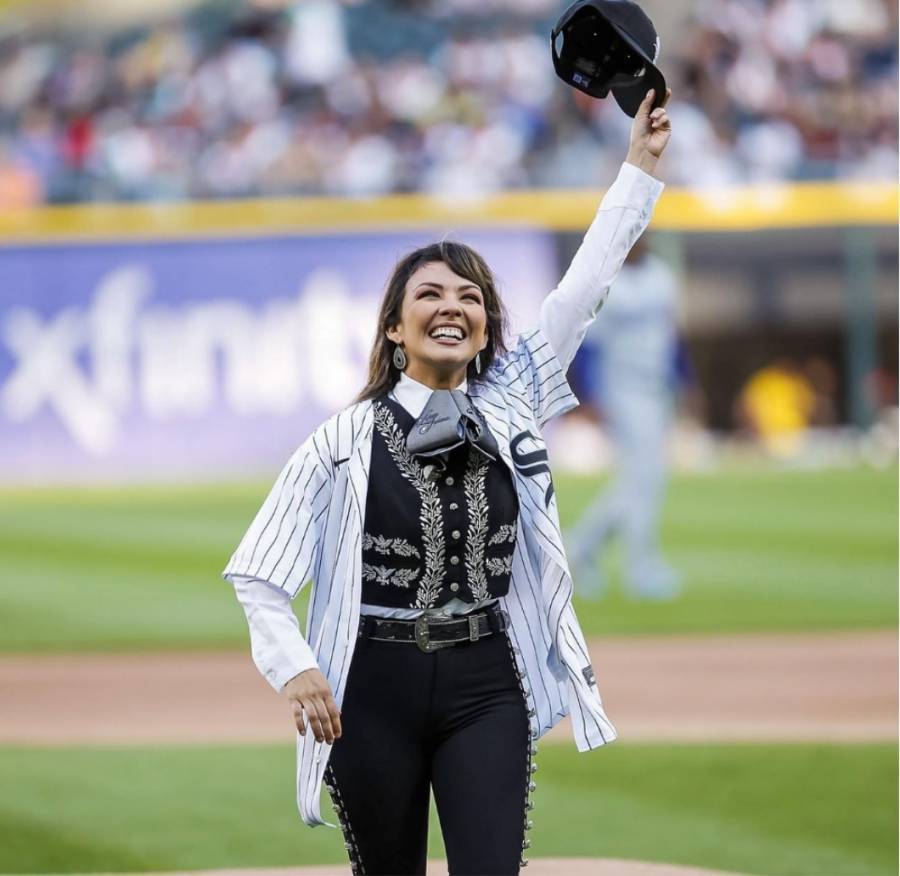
478	362
399	358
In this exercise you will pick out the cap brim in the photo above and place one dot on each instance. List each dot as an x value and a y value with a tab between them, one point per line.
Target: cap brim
630	96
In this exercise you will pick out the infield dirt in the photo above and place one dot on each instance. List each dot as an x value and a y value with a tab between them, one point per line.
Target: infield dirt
803	687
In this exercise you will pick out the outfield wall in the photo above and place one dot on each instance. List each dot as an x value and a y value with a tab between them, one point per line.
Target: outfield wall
207	339
200	357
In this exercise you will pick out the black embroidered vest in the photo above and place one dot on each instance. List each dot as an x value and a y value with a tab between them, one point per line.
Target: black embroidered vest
428	538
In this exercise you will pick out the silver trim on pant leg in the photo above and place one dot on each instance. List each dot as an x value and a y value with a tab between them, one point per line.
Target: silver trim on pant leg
350	844
530	765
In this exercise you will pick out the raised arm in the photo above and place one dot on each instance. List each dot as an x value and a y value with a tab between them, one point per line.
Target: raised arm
622	217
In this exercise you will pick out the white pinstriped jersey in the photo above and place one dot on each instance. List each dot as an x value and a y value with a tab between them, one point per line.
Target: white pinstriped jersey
310	526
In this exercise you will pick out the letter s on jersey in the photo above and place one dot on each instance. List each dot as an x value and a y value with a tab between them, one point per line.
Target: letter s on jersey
533	463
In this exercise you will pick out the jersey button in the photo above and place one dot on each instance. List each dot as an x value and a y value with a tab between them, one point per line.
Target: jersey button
456	533
450	482
454	587
454	561
453	506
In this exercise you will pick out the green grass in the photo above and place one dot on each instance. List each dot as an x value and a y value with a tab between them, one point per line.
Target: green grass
822	810
138	568
764	550
121	568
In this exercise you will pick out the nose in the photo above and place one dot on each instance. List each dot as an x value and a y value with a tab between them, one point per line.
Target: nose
451	306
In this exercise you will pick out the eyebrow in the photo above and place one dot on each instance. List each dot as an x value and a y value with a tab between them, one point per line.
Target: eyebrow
442	287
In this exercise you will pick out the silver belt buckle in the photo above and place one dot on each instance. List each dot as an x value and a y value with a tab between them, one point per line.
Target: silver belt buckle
423	642
473	628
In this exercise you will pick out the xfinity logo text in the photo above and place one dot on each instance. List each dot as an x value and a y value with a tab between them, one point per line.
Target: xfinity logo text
125	354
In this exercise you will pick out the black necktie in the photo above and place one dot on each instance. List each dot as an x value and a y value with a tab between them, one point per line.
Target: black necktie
448	421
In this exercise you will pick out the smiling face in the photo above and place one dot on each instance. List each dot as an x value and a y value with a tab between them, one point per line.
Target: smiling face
443	325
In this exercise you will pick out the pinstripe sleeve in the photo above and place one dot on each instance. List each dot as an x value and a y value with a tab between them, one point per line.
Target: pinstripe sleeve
533	371
281	545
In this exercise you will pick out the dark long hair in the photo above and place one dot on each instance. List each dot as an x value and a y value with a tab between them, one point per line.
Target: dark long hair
462	260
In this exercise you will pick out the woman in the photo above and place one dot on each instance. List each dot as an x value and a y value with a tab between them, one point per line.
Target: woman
441	640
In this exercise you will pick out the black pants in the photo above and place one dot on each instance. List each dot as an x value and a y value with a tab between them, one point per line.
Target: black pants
454	721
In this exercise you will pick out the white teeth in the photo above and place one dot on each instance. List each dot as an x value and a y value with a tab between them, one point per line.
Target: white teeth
447	332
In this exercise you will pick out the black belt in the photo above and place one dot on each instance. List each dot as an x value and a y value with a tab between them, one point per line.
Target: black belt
432	632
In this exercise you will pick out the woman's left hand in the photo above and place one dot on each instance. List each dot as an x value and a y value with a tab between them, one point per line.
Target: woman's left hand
650	133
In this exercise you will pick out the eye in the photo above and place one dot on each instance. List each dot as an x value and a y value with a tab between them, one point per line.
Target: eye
472	296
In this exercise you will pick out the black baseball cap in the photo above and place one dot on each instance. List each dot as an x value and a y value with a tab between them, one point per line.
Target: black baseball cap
609	45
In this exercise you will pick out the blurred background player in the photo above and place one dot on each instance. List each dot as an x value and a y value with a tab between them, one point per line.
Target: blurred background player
633	378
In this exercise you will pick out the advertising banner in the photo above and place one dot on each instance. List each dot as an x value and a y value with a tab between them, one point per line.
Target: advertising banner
201	359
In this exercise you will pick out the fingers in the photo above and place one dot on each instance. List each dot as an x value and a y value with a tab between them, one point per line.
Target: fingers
321	715
318	721
646	103
314	706
297	709
659	119
335	715
329	718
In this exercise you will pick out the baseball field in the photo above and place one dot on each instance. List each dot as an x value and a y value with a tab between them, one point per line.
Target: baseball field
758	711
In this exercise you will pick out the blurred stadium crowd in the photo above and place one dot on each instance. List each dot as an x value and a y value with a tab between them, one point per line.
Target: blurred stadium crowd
457	97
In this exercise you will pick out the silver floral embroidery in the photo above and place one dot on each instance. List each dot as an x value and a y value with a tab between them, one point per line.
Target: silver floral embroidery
385	546
476	500
506	533
386	575
430	516
500	565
